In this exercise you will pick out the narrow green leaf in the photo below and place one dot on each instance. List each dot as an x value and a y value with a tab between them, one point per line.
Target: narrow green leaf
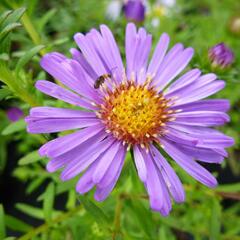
96	212
45	18
2	223
14	127
48	201
4	92
16	224
27	57
30	158
234	187
215	225
4	16
15	15
35	184
31	211
8	29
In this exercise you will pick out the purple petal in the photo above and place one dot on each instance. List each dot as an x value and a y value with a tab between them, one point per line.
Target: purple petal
90	54
183	81
103	191
52	112
78	56
80	164
113	49
64	144
51	125
158	54
105	162
207	138
75	153
130	46
189	165
140	163
112	171
170	177
200	93
174	67
181	137
193	85
203	154
58	92
154	186
221	105
201	118
85	183
170	56
62	71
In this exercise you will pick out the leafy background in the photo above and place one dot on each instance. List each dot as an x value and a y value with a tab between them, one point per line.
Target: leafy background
35	204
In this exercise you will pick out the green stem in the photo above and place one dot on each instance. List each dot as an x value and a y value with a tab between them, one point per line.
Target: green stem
45	227
117	219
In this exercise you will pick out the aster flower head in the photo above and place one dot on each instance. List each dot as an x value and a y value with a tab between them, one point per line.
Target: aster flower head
14	114
138	107
221	56
134	10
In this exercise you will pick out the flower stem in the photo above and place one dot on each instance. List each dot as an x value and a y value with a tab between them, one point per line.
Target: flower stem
117	219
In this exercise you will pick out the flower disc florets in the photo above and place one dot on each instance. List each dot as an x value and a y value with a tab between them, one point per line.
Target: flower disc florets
134	113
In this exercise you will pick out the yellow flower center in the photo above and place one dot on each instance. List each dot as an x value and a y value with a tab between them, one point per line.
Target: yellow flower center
134	113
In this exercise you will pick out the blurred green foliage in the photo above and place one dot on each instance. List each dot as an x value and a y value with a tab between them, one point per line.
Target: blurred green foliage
29	29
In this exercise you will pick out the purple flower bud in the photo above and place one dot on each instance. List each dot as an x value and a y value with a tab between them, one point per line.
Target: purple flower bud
134	10
221	55
14	114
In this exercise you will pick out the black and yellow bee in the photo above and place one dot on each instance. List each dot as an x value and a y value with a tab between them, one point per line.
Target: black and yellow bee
101	79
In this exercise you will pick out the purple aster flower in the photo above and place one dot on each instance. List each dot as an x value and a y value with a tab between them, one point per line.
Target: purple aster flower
134	10
141	109
221	55
14	114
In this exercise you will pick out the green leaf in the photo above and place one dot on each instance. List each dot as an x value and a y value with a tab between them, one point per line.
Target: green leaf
15	15
30	158
4	16
45	18
48	201
141	215
215	225
35	184
4	92
8	29
96	212
234	187
2	223
14	127
27	57
31	211
16	224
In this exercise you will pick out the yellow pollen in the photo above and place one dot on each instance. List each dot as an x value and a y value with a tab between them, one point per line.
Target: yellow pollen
134	114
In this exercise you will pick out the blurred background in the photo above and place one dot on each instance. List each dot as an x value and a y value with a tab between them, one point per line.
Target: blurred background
34	203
